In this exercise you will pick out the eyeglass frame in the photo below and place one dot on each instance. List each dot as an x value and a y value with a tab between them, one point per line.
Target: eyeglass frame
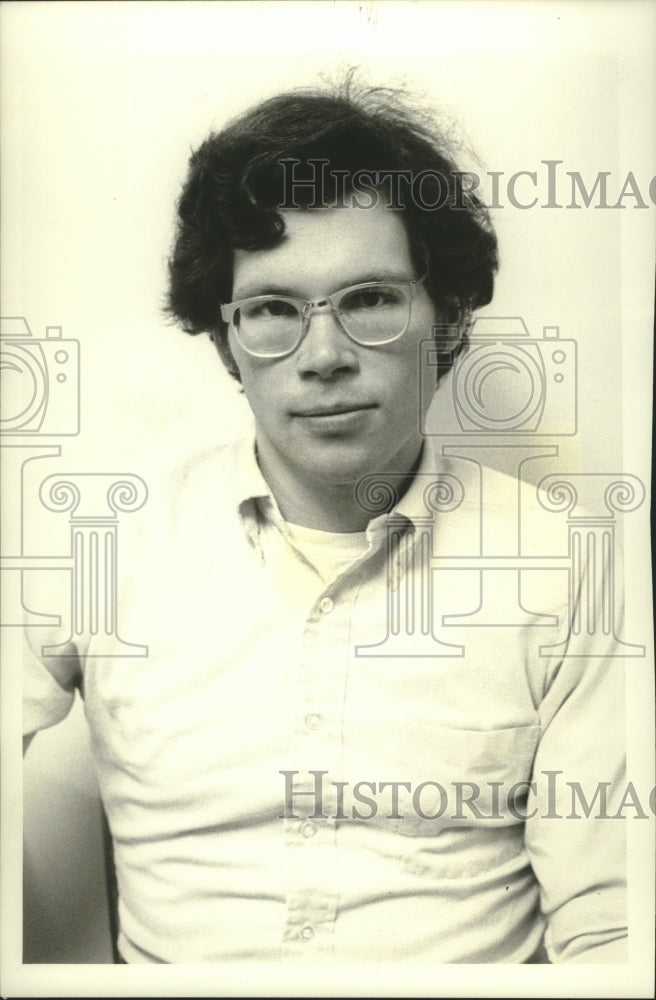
308	307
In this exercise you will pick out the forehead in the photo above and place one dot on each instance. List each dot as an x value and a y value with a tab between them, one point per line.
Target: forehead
327	247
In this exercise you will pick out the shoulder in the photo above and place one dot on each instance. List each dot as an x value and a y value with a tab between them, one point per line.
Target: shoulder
194	506
488	493
205	484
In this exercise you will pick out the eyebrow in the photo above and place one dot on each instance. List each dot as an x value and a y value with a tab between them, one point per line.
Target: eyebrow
254	289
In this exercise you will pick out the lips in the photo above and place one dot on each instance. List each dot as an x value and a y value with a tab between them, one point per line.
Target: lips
334	409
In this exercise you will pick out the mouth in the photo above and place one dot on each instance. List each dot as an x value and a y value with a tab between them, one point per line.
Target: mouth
337	409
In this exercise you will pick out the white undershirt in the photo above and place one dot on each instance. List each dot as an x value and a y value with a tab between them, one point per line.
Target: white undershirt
330	552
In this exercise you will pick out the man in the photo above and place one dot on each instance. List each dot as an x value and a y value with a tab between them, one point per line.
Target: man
275	772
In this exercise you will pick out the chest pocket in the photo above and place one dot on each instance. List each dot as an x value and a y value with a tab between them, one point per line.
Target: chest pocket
464	776
467	787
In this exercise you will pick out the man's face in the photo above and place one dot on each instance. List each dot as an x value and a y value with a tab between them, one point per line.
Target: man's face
303	434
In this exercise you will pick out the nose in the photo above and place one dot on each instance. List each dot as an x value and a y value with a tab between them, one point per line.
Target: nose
325	351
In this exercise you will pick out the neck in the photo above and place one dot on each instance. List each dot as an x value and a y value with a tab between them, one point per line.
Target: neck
326	505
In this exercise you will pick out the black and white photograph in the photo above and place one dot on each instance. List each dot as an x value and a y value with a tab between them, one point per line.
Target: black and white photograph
325	437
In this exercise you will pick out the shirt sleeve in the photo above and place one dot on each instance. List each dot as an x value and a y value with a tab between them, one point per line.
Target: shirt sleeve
49	683
576	830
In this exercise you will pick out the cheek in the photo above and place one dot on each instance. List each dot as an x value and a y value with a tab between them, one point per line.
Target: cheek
255	388
263	386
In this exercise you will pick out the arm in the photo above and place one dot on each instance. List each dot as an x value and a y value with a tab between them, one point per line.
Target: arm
577	848
49	682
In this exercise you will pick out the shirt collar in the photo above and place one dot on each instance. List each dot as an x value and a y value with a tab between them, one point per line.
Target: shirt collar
248	482
412	508
413	504
252	495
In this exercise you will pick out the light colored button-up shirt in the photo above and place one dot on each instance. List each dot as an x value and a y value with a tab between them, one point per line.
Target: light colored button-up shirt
339	770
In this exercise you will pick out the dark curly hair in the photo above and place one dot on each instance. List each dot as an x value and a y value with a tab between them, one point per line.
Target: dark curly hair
236	185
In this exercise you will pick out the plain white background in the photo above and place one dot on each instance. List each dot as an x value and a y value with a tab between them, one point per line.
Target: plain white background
103	102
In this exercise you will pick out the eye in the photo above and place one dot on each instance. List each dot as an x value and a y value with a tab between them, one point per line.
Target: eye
372	297
263	309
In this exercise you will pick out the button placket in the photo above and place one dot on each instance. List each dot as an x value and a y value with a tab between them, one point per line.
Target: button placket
311	906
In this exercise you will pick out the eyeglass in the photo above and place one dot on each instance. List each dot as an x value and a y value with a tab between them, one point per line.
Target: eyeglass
370	314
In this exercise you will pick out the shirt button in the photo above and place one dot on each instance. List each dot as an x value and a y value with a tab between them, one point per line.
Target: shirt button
326	605
307	933
308	829
313	721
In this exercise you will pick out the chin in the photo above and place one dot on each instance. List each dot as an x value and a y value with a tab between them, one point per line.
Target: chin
343	469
